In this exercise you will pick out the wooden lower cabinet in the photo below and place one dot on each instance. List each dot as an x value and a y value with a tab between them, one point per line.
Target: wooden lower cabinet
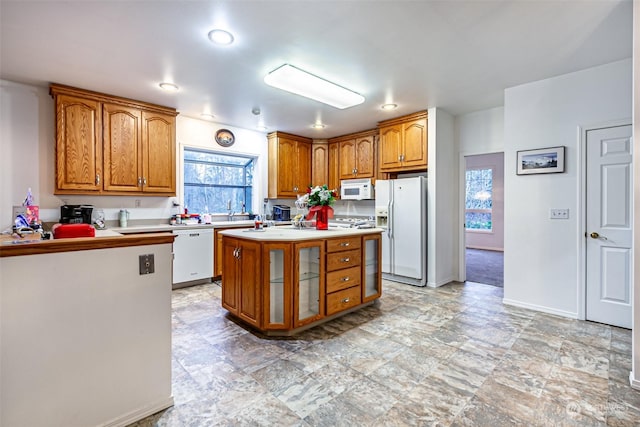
217	248
281	287
241	290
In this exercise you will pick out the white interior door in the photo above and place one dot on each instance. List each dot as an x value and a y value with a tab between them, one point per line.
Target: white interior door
609	225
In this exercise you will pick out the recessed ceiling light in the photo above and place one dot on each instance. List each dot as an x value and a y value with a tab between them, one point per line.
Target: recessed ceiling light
261	127
389	106
221	37
207	116
169	87
294	80
318	126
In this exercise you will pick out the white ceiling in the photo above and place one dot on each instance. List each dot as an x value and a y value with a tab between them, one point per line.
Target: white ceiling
456	55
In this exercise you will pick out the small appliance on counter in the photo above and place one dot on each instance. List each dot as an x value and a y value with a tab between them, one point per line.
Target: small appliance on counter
281	213
75	214
66	231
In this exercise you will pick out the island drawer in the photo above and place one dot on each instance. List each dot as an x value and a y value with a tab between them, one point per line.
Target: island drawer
346	259
342	300
343	244
342	279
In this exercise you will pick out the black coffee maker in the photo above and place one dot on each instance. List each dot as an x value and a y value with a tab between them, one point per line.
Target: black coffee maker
75	214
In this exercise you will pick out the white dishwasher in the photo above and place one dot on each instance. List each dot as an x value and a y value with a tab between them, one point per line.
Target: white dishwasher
192	255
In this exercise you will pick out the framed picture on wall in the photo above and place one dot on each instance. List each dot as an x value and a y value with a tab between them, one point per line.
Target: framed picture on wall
541	160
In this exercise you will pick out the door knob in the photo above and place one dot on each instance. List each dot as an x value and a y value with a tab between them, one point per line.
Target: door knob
594	235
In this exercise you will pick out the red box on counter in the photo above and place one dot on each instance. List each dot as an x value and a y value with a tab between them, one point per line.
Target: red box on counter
65	231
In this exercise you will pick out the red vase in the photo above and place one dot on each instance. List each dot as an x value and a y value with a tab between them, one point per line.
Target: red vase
322	218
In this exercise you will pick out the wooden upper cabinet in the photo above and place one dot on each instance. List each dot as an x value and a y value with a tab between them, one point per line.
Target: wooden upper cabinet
111	145
319	163
357	154
78	144
122	139
403	143
333	180
390	147
158	152
289	165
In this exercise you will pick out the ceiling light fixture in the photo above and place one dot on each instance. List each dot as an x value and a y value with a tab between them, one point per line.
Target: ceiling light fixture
207	116
294	80
387	107
221	37
318	126
169	87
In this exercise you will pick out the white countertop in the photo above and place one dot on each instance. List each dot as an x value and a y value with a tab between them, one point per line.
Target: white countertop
293	233
149	228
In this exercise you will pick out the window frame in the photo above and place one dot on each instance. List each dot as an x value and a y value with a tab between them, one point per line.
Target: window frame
251	158
475	210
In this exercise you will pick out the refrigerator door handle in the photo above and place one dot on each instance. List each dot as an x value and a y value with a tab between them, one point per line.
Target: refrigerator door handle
390	221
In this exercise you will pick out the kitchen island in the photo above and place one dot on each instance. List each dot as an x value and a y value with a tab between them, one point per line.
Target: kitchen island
85	336
283	280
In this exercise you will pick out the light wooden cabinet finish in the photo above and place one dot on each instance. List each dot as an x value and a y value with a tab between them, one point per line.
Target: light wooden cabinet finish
218	250
289	165
282	286
122	140
78	144
357	154
320	164
403	143
113	146
334	167
241	290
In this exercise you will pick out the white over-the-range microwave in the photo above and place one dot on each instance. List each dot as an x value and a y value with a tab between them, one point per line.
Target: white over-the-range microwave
356	189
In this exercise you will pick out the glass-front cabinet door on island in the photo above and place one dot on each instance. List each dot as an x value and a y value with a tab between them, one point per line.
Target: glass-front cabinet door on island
371	274
277	296
308	282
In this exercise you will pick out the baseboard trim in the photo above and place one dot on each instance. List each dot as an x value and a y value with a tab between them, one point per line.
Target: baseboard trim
541	308
634	382
486	248
140	413
441	282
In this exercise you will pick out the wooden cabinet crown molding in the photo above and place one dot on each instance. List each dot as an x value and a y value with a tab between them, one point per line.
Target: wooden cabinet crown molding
56	89
403	119
356	135
279	134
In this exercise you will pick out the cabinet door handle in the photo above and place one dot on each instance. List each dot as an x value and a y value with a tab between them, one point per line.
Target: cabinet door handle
144	181
344	244
346	300
346	279
139	181
98	179
345	259
239	250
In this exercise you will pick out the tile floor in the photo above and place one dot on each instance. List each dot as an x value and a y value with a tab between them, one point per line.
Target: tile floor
419	357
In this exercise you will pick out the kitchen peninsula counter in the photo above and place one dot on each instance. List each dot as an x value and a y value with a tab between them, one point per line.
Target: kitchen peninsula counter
282	280
85	334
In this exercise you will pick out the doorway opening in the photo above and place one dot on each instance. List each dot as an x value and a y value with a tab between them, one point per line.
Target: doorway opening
484	218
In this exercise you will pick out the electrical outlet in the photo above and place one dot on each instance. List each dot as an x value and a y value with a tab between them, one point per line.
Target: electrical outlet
137	203
559	213
147	264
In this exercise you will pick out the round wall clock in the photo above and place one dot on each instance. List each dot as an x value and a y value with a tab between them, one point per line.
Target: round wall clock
225	137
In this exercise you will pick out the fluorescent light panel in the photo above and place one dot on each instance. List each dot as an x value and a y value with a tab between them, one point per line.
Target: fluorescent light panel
294	80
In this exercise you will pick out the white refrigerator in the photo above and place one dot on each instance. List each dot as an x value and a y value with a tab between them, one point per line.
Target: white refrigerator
401	210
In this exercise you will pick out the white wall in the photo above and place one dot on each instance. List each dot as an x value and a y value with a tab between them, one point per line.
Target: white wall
480	132
27	144
442	222
541	259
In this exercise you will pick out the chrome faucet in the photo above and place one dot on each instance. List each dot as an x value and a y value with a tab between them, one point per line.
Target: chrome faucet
231	213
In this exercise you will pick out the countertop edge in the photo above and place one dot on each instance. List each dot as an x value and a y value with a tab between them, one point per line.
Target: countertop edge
288	234
36	247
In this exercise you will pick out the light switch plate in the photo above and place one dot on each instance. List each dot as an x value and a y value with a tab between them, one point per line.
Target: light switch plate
147	265
559	213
